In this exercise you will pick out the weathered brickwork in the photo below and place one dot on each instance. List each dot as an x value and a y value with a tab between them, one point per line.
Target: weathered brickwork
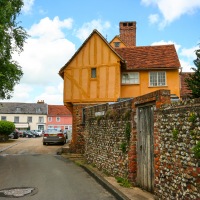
177	171
77	144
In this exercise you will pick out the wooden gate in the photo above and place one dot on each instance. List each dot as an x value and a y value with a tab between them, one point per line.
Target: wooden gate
145	148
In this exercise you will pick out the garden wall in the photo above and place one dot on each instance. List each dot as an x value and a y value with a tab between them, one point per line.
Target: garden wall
177	170
110	148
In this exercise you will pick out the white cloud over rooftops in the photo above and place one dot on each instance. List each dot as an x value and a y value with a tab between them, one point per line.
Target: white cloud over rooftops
88	27
45	52
172	9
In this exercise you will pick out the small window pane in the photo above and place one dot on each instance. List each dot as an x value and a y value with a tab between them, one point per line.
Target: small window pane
41	119
3	118
93	73
49	119
29	119
117	44
57	119
16	119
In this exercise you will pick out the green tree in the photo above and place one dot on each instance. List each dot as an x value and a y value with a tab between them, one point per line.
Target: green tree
193	80
12	38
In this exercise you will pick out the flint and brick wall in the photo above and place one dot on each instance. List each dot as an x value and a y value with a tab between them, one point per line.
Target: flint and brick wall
176	132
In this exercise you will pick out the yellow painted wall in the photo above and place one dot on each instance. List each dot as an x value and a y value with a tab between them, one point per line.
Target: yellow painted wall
134	90
78	84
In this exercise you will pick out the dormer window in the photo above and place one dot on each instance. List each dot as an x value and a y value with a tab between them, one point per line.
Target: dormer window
38	110
117	44
18	109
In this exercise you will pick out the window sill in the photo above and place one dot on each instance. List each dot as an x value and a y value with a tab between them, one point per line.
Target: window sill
158	86
130	84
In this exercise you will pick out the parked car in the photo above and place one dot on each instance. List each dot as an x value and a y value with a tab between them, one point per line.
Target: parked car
39	132
27	134
54	136
14	135
35	133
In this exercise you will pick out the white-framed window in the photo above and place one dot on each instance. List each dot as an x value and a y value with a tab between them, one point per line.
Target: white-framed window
130	78
41	119
50	119
157	78
58	119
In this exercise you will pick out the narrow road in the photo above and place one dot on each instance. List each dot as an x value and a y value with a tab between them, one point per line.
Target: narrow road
36	172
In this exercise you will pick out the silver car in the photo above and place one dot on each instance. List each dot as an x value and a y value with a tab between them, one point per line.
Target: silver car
54	136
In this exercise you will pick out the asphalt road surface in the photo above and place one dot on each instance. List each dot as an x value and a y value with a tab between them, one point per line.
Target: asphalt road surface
29	170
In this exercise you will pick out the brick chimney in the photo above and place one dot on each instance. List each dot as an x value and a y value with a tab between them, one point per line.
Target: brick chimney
128	33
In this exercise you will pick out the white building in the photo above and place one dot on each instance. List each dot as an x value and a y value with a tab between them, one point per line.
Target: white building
26	116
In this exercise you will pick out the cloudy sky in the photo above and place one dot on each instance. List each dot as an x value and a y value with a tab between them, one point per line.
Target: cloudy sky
58	28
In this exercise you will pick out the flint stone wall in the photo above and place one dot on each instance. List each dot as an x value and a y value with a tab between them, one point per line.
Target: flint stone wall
104	134
177	170
176	132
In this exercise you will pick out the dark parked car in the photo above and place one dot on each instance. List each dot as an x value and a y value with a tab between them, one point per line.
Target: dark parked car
35	133
14	135
27	134
53	136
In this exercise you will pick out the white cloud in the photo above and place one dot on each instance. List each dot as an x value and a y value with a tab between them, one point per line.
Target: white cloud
189	53
28	4
50	29
154	18
186	66
173	9
162	42
87	28
52	95
45	52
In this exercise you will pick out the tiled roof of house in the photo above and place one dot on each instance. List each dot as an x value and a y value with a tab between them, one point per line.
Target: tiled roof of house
58	110
149	57
184	88
23	108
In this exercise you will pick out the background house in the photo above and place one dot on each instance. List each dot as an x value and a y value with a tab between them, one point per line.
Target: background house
59	117
26	116
102	72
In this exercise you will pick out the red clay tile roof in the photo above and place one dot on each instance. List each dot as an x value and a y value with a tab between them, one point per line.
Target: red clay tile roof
184	88
58	110
149	57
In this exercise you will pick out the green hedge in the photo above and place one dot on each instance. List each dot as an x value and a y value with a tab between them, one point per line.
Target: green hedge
6	127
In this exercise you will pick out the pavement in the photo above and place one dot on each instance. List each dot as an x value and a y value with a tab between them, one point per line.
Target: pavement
108	182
